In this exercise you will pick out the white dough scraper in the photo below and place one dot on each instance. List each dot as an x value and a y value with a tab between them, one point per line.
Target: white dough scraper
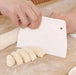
51	36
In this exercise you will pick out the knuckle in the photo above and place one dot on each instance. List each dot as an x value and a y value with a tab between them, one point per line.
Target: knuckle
34	19
25	24
37	27
32	27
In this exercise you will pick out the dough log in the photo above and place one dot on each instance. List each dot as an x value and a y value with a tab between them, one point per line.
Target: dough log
8	38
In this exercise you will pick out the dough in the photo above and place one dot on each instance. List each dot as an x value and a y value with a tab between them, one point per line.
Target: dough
38	51
17	58
10	61
8	38
24	55
72	71
73	35
30	53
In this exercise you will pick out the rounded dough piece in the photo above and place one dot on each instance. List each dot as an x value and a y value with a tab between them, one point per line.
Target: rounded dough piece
17	58
30	53
38	51
72	71
10	61
24	55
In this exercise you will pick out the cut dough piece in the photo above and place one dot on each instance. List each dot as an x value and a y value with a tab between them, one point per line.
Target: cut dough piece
8	38
30	53
38	51
24	55
10	61
17	58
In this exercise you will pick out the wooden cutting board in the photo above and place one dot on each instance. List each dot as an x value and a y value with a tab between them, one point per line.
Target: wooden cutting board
48	65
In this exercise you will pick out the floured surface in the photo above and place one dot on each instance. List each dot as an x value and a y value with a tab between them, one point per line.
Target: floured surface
48	65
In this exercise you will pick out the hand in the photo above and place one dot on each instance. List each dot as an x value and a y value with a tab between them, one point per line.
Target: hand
21	12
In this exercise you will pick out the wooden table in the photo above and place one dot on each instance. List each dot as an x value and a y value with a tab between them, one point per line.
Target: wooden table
48	65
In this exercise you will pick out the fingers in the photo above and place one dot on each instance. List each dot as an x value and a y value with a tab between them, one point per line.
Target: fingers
39	16
37	12
22	16
14	19
34	20
26	14
32	16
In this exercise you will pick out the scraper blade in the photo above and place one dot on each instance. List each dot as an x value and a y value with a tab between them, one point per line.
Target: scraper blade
51	36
